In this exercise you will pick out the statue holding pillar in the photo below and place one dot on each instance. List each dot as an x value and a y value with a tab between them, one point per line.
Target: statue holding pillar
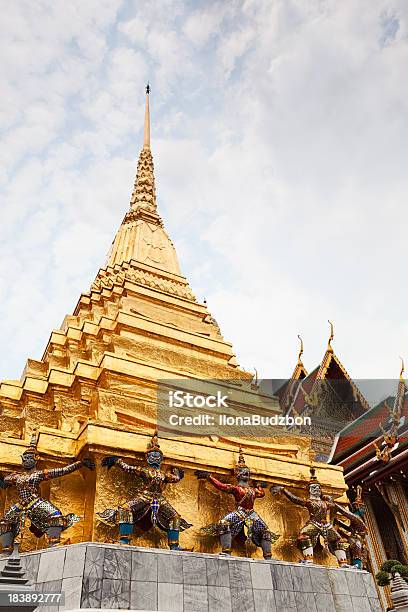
355	531
244	516
45	518
321	509
150	502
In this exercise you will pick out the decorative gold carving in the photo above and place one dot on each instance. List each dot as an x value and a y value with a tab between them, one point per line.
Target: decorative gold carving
151	280
106	279
329	346
300	362
144	192
390	434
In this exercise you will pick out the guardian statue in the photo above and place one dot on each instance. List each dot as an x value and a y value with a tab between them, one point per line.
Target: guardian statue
45	518
321	510
355	531
150	502
244	517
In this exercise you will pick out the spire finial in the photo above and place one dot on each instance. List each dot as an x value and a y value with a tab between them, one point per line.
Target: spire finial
300	350
402	369
146	141
329	346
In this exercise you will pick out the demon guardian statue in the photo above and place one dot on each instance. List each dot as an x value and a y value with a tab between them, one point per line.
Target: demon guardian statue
150	501
45	518
244	516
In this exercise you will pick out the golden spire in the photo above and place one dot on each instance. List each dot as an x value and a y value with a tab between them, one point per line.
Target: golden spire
146	141
142	237
300	362
144	191
402	369
329	346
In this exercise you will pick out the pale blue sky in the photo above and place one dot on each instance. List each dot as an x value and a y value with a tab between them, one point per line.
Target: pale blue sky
279	134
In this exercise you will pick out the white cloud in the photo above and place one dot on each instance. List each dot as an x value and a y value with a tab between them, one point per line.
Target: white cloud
203	25
135	29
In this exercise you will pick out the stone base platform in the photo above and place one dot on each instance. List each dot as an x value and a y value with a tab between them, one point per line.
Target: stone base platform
108	576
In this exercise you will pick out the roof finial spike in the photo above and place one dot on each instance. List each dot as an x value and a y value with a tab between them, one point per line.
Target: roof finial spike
146	141
329	346
402	369
300	351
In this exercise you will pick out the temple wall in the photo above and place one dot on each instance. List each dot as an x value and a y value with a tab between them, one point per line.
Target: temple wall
103	576
85	492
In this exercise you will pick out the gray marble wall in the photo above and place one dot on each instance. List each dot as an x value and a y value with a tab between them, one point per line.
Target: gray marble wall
108	576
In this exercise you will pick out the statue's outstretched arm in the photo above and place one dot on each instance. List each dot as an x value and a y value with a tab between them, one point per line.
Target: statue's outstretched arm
109	462
221	486
175	474
343	511
130	469
72	467
299	501
355	520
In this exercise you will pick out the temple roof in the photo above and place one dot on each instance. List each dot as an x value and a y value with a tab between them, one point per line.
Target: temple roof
303	386
357	446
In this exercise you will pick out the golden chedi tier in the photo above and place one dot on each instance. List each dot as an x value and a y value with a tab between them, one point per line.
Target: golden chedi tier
94	394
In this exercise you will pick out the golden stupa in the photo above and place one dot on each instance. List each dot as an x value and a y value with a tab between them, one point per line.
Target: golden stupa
94	392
